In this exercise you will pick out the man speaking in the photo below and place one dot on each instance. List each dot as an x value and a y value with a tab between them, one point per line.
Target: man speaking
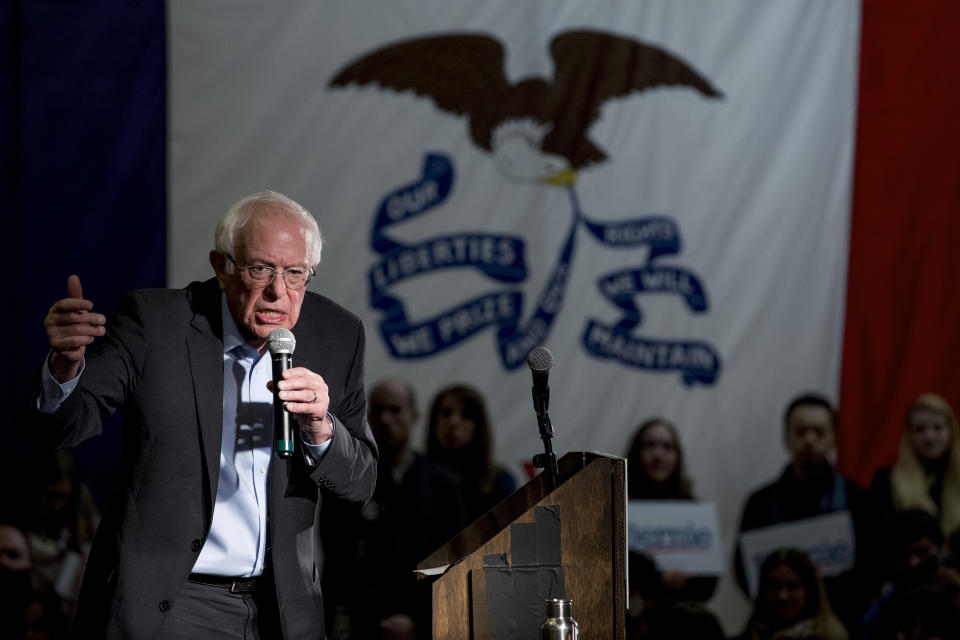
211	534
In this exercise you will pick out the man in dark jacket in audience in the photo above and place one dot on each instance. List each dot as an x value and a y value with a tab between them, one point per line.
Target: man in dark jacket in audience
371	552
811	487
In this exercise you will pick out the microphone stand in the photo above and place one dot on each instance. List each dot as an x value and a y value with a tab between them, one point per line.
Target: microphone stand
548	459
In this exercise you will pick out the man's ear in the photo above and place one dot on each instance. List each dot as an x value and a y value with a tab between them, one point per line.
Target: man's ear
219	264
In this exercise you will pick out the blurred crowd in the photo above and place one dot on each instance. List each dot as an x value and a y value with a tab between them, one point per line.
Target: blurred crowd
46	530
903	582
904	578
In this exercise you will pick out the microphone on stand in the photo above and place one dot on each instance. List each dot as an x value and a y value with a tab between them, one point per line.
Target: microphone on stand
540	360
281	343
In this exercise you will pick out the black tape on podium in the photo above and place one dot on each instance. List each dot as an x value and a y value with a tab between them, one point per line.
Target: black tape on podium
516	592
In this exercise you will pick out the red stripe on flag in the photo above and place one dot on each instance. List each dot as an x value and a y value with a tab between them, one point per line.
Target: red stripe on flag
902	331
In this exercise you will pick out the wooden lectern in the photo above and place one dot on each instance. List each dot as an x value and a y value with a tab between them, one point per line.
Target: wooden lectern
591	496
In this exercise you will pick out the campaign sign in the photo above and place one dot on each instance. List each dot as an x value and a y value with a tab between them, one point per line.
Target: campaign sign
681	535
828	539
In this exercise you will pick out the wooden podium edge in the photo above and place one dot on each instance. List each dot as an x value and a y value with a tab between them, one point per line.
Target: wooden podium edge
454	615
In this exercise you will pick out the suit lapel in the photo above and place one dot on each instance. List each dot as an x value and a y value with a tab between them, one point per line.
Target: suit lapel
205	347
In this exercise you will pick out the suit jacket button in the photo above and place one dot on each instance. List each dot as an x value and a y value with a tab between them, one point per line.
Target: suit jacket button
196	545
164	605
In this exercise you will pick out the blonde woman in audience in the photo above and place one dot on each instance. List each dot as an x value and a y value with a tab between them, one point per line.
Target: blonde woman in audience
927	472
791	601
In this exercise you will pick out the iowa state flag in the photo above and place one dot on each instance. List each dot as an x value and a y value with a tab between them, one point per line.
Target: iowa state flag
702	209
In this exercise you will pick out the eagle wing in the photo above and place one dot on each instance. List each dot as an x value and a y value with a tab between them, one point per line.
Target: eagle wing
459	72
592	67
605	66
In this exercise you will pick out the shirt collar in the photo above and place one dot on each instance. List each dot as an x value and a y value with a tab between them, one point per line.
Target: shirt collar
232	338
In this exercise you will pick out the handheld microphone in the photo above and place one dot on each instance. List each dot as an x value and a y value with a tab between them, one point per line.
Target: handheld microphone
281	343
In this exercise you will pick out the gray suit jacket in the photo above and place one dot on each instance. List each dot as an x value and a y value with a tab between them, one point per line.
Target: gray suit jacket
161	362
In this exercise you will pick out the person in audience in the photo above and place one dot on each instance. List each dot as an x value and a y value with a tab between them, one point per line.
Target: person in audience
931	611
791	601
371	551
61	519
953	550
810	487
29	607
460	437
15	576
655	463
687	620
644	594
655	471
915	548
926	474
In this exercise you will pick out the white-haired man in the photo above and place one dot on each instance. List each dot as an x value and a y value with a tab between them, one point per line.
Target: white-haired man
210	535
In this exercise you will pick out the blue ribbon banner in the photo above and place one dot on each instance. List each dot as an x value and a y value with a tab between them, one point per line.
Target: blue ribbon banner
696	361
501	258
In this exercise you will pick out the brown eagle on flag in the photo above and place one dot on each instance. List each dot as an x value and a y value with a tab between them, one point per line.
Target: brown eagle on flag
536	130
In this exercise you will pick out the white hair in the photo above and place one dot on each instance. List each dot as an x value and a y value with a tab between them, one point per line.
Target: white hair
239	214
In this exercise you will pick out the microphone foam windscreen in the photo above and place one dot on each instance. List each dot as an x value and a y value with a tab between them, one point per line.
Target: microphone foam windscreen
540	359
281	341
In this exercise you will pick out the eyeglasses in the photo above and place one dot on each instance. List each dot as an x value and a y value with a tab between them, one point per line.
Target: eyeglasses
261	275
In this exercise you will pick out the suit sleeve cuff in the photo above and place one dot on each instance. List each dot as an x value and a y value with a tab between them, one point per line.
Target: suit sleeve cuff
313	453
53	393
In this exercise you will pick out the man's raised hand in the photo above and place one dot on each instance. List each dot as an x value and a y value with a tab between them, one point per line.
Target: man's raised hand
71	326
